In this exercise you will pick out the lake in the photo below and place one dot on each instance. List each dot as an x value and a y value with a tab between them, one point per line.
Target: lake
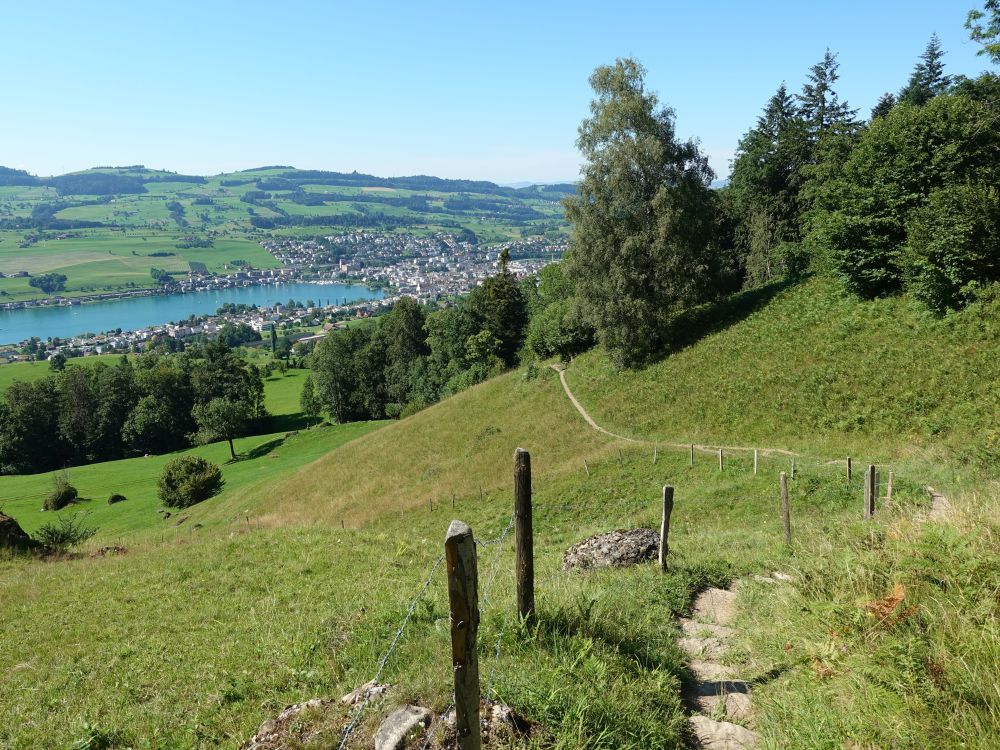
139	312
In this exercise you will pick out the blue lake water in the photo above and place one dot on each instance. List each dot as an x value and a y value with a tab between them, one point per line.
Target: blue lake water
139	312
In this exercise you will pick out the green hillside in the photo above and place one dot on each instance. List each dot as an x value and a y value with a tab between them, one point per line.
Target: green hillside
194	640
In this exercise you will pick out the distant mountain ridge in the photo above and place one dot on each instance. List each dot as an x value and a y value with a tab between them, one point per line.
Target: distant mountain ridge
132	180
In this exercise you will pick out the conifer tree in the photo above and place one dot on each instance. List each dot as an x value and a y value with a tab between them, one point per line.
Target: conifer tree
928	78
884	106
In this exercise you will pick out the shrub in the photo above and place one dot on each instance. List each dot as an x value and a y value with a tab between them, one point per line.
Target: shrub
188	480
116	498
953	246
65	532
63	493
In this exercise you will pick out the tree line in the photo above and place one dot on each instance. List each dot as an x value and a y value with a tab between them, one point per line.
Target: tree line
905	201
414	355
152	403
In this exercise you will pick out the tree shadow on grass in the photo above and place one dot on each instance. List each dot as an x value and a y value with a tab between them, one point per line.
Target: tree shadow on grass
261	450
285	423
690	326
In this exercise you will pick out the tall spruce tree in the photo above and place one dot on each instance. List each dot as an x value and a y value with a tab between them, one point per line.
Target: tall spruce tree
928	78
642	219
764	186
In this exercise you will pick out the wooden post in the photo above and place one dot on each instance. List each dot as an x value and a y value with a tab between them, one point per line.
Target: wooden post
668	507
720	459
870	491
619	456
452	499
654	455
342	524
691	457
480	493
430	503
848	468
463	600
888	489
878	486
786	511
523	541
793	469
755	462
586	467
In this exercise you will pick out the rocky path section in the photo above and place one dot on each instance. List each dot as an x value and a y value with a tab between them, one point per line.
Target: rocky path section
719	699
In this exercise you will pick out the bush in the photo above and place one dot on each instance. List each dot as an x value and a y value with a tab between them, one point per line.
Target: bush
65	532
116	498
188	480
953	246
63	493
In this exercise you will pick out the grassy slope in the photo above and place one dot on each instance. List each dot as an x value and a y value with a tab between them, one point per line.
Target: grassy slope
816	371
236	624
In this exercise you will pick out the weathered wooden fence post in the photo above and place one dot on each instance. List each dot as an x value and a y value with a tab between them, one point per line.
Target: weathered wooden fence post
463	600
430	503
786	511
870	491
755	462
793	469
878	487
586	467
848	468
523	541
654	455
619	456
668	507
720	459
691	457
888	489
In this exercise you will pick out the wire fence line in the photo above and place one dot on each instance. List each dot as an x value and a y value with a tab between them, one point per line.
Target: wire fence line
388	652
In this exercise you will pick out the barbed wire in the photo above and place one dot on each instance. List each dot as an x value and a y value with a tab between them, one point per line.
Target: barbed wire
392	647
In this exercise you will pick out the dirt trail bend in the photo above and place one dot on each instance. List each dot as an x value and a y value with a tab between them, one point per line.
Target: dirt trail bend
698	447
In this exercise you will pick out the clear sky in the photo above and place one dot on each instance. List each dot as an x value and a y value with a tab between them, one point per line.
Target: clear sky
465	89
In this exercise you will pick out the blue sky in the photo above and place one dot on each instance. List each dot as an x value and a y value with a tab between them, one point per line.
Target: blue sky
466	89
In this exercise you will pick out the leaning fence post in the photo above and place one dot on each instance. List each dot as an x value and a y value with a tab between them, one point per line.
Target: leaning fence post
786	511
870	491
668	507
755	462
523	542
586	467
463	600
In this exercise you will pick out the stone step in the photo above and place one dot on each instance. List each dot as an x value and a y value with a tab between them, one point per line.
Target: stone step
721	735
716	606
709	671
705	648
730	699
697	629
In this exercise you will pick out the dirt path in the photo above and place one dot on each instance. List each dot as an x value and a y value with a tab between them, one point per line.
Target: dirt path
697	446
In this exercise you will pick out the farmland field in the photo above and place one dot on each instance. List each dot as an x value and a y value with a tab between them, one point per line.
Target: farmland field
110	241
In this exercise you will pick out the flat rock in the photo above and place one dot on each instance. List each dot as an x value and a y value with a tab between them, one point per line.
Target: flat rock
615	549
721	735
289	729
730	699
705	648
393	731
715	606
709	670
697	629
